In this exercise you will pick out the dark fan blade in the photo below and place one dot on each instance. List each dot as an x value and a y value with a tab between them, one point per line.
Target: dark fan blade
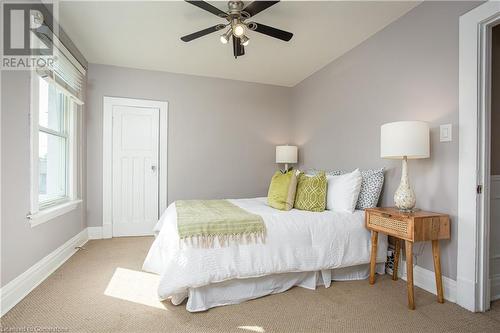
273	32
200	33
238	49
208	7
257	6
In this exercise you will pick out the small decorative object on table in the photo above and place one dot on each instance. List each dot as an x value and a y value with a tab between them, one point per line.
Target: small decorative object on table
407	228
286	154
404	140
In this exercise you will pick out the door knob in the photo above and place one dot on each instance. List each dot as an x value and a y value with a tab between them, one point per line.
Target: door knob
153	168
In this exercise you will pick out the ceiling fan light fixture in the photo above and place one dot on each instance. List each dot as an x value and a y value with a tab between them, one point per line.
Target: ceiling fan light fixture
224	38
237	20
238	29
245	40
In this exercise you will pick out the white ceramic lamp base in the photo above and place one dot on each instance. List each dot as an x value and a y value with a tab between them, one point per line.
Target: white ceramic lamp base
404	198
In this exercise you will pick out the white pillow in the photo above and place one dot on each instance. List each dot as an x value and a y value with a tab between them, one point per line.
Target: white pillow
343	191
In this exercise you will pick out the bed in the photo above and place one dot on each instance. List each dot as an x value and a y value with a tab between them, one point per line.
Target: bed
301	248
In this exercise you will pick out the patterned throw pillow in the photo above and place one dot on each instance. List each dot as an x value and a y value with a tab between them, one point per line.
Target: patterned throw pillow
311	192
371	185
314	172
336	173
281	193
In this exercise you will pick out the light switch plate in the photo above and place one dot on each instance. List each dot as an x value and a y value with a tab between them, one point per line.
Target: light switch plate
445	133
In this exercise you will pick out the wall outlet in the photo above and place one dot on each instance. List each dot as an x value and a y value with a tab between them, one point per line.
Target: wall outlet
445	133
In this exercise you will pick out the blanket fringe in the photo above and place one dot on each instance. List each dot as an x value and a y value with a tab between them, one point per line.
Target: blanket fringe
223	240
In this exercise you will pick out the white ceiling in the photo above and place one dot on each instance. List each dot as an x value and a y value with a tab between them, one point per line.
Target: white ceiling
146	35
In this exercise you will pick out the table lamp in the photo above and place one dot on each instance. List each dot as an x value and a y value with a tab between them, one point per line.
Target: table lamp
404	140
286	154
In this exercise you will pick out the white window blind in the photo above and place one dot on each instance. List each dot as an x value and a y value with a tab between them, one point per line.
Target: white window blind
65	71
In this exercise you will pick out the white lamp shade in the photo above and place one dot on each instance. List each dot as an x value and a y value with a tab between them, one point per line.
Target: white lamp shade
286	154
404	138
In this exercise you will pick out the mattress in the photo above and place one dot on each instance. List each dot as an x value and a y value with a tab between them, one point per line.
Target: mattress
296	242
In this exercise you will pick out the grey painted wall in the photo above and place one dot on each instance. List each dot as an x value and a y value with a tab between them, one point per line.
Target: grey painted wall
22	246
495	102
408	71
221	133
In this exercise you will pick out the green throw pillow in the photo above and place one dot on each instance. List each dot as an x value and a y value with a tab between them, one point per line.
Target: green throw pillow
282	190
311	192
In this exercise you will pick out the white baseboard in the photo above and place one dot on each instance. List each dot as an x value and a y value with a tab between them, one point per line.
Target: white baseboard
466	298
95	232
107	231
426	280
14	291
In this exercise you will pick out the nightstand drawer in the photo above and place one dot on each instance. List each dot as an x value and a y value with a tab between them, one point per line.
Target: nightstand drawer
390	225
414	227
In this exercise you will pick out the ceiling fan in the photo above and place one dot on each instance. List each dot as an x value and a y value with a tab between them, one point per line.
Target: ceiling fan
237	16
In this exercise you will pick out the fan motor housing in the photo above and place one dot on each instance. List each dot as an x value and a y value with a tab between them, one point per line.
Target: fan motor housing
235	7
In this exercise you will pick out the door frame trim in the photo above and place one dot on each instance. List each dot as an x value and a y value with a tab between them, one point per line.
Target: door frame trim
107	156
473	207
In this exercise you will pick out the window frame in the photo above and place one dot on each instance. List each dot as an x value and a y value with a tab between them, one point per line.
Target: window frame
64	133
40	213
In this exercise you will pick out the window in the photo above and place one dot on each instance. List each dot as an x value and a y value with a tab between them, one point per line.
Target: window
53	144
57	91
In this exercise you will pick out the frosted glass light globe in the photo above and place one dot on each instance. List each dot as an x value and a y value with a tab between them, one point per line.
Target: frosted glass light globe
245	40
238	30
224	38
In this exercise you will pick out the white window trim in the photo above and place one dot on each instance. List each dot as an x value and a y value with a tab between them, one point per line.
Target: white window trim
51	213
37	216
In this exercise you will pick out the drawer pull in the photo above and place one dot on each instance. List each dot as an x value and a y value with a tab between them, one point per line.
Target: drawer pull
386	215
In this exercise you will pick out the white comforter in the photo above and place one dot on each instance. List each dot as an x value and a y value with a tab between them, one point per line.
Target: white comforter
296	241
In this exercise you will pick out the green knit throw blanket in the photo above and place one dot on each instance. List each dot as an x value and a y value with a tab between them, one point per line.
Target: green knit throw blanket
200	222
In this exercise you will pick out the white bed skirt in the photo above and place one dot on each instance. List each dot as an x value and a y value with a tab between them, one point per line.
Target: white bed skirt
241	290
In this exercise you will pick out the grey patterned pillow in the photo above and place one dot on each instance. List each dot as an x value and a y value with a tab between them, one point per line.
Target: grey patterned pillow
314	172
336	172
371	185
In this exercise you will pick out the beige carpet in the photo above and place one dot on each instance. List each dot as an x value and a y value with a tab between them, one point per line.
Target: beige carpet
102	289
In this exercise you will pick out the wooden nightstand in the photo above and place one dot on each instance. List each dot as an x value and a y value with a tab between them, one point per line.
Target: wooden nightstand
408	228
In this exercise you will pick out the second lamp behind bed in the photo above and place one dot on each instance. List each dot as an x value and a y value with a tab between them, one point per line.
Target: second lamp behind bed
286	154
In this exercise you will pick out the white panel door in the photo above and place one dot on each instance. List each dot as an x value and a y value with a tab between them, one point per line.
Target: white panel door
135	170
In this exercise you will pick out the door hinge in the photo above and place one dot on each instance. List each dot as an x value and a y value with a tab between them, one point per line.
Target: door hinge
479	189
